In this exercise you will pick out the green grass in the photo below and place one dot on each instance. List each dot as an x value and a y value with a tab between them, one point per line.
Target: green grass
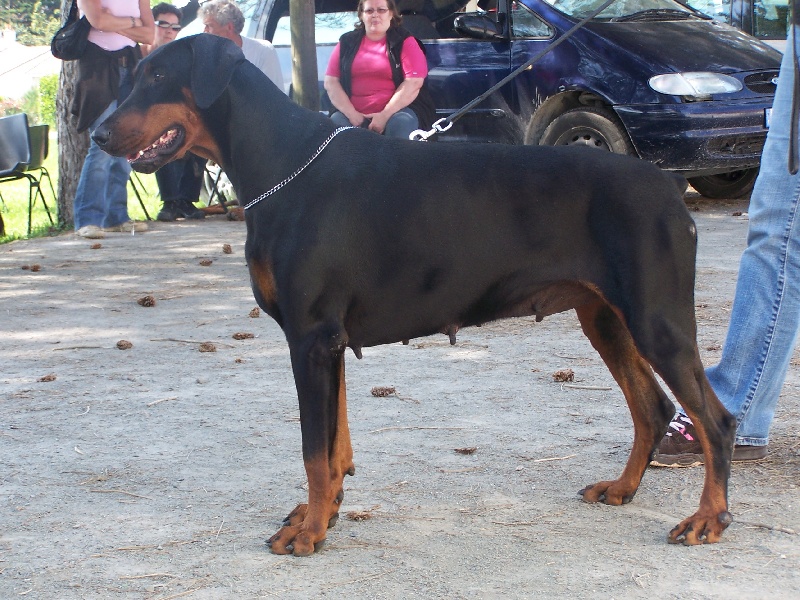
15	210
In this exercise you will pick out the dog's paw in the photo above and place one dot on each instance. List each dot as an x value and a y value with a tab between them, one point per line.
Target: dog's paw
608	492
700	529
296	536
294	540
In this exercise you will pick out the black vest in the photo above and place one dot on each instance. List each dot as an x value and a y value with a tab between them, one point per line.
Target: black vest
349	44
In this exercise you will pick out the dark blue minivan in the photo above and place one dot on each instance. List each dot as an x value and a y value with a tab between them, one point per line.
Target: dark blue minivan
652	78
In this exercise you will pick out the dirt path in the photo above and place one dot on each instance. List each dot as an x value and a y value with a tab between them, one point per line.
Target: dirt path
158	471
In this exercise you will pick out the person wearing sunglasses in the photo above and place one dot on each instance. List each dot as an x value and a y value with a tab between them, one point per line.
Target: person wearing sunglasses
376	75
179	181
168	23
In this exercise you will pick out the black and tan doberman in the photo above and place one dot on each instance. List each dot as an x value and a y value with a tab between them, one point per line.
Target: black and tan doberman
356	240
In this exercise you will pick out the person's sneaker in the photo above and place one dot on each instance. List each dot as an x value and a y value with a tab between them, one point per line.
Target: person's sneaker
128	227
681	447
174	209
92	232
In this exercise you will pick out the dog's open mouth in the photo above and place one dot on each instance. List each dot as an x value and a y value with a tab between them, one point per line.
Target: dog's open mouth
166	145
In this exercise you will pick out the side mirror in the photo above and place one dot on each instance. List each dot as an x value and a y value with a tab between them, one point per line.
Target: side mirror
478	26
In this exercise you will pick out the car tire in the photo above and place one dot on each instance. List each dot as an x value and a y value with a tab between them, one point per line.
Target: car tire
726	185
589	126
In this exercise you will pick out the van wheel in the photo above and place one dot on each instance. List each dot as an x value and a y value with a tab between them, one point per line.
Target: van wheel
727	185
589	126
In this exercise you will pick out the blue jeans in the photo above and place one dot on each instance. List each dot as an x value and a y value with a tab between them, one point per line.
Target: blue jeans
766	308
399	125
102	195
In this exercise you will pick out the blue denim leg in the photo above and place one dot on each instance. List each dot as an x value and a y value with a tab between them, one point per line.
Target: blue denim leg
102	196
340	120
117	192
766	307
401	124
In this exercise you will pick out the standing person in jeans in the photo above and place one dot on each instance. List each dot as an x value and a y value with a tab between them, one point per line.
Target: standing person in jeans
105	78
766	307
179	181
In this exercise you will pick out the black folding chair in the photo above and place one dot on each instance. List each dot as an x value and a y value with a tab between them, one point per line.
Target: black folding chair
23	150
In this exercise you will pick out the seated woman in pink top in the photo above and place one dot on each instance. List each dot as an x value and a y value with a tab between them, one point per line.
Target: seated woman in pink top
376	75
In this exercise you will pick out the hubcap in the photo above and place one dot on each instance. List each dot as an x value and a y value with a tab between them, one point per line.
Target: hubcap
583	137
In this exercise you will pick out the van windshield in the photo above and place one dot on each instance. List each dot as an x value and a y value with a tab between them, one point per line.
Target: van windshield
625	10
328	28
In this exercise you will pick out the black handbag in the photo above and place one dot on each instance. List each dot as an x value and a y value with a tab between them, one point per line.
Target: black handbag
70	41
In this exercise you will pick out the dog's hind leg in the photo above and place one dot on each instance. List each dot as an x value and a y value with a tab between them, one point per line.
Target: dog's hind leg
318	365
716	429
650	407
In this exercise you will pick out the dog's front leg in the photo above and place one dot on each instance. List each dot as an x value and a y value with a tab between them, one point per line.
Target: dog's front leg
318	365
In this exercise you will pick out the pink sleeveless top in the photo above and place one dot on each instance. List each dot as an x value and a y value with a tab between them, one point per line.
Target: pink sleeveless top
108	40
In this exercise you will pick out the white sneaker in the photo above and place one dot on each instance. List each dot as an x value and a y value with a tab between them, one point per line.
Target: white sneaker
128	226
92	232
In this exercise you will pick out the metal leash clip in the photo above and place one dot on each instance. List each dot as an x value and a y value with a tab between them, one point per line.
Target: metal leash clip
420	135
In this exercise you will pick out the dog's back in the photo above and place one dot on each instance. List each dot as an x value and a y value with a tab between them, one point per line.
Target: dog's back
474	232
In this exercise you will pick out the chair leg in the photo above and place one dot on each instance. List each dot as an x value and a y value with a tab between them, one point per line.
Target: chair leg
31	197
44	174
35	184
44	203
215	191
133	181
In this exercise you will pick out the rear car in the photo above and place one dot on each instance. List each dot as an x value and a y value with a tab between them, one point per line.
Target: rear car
651	78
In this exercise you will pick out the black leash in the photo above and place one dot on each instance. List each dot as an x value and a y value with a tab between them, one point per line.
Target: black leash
446	123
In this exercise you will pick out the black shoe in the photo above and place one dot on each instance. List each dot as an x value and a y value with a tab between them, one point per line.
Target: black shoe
183	209
169	212
190	211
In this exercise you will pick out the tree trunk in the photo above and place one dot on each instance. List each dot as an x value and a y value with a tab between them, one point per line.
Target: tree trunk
304	54
72	146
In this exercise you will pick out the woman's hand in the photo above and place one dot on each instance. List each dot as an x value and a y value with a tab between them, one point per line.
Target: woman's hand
341	101
145	30
403	96
139	29
378	122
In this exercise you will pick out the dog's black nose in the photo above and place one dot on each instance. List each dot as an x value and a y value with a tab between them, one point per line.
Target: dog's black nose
101	136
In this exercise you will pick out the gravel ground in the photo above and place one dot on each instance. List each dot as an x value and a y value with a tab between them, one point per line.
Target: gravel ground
158	471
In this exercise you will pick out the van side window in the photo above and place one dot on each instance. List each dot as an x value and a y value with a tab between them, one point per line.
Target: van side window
770	18
525	24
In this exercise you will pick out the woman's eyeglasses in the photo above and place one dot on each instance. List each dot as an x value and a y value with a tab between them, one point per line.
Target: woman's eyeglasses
372	11
168	25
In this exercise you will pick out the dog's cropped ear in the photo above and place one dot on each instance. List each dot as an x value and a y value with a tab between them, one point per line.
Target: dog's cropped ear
213	63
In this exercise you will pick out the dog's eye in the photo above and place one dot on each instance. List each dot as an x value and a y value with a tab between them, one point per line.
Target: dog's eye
158	76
